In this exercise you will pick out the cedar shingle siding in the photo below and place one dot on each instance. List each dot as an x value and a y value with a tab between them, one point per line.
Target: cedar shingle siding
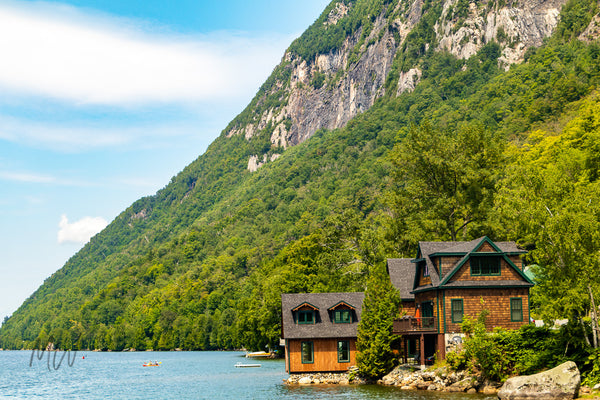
446	281
463	278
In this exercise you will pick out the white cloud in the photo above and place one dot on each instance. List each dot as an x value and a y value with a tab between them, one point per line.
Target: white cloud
69	137
61	53
26	177
79	231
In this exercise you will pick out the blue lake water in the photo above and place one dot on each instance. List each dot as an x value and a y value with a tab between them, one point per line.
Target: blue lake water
181	375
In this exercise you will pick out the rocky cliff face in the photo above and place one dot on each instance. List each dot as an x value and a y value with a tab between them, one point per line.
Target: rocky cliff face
516	28
330	89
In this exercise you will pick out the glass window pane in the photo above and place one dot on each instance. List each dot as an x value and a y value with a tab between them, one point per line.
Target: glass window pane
343	351
516	309
305	317
307	352
457	310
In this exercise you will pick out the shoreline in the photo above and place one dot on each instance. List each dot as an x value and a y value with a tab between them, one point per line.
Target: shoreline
410	377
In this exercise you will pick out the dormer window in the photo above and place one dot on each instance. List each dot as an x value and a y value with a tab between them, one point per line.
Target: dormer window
425	270
305	313
342	313
306	317
342	316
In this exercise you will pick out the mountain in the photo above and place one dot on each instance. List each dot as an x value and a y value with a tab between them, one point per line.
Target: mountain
308	189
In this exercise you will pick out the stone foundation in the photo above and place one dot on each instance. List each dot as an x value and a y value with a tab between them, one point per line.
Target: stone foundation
325	378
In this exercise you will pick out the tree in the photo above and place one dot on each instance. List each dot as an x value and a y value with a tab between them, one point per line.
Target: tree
375	357
549	200
444	183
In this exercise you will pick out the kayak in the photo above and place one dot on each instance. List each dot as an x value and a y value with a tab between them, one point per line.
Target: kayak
151	364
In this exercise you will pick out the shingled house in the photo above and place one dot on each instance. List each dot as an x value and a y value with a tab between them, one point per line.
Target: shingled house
445	282
453	279
319	330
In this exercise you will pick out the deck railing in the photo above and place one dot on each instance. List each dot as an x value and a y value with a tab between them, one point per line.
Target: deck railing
411	324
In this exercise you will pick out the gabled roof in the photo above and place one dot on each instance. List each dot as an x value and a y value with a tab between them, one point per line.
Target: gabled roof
305	304
402	275
342	304
428	250
324	326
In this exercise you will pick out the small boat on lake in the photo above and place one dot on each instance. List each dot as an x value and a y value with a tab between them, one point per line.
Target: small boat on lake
151	364
259	354
240	365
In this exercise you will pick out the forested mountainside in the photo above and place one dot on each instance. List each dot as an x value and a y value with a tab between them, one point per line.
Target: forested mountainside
387	122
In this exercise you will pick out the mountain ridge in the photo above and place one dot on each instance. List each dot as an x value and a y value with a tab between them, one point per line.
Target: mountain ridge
314	95
200	264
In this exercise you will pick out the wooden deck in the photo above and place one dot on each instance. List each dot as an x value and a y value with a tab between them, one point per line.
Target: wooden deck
412	325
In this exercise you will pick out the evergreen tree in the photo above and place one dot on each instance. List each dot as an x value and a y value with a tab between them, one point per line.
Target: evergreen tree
375	357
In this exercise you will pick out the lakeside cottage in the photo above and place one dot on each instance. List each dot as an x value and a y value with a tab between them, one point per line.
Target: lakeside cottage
445	282
319	331
454	279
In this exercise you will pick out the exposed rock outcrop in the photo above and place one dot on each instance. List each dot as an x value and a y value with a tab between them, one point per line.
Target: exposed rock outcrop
330	89
561	382
516	27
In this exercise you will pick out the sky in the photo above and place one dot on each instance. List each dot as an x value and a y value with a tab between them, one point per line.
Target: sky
102	102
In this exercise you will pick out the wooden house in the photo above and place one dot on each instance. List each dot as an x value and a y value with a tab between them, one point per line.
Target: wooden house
319	331
454	279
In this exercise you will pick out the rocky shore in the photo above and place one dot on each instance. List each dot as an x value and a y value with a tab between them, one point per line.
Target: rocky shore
407	377
561	382
438	379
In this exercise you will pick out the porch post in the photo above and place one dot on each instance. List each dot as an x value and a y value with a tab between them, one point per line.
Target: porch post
422	350
441	342
405	345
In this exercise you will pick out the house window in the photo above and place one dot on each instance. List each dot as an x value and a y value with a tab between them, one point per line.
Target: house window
307	353
342	316
343	347
516	309
425	270
485	266
456	305
306	317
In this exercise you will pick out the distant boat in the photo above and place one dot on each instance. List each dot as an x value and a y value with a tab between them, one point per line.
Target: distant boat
258	354
151	364
240	365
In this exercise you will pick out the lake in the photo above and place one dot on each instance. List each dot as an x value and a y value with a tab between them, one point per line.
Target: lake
181	375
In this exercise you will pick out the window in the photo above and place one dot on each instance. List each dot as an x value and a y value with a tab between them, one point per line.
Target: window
343	347
456	305
306	317
307	353
516	309
425	270
485	266
342	316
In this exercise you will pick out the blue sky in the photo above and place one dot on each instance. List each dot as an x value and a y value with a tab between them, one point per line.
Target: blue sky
102	102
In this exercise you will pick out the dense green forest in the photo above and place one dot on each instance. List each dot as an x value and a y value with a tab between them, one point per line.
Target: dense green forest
473	150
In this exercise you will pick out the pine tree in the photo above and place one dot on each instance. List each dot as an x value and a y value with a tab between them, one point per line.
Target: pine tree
375	357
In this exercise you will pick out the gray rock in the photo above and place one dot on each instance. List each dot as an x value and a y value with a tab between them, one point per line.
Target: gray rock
352	86
461	386
305	381
561	382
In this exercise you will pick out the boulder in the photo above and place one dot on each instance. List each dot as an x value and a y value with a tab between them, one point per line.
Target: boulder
305	380
561	382
461	386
